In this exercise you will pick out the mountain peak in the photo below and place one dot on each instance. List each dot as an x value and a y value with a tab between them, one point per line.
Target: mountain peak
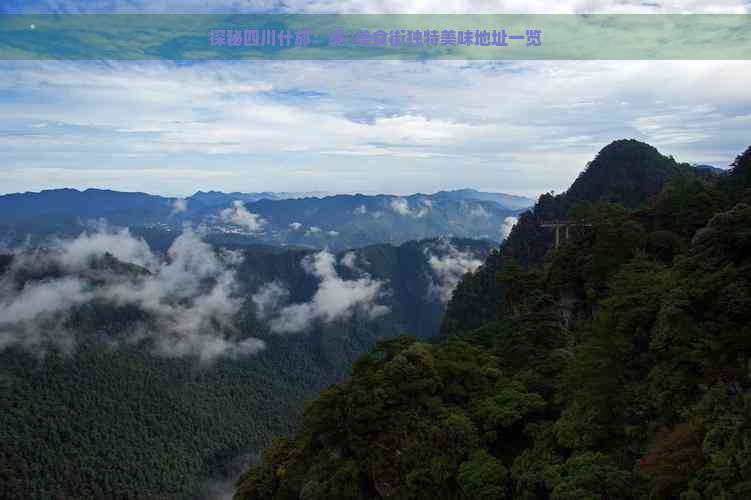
632	144
625	171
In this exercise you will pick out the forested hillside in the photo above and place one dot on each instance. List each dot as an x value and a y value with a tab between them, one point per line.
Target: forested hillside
101	399
614	366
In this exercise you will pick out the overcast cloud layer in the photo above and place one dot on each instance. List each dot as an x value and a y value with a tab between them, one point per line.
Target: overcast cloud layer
348	126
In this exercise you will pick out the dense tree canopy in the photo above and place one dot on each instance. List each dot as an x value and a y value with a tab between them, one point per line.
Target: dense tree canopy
118	422
615	366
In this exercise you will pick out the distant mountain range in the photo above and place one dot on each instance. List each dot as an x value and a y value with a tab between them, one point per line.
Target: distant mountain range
336	222
216	198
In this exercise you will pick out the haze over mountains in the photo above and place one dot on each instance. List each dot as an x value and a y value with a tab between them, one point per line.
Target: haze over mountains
337	222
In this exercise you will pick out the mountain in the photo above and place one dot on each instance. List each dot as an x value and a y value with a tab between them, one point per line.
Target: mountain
346	221
614	365
216	198
53	205
219	198
504	200
708	172
336	222
627	172
126	373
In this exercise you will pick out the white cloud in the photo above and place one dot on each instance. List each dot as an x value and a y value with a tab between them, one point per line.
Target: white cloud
35	300
74	254
269	298
180	205
361	210
401	207
508	224
333	233
238	215
232	257
28	317
499	125
449	265
313	230
478	210
349	261
191	298
424	209
295	226
334	299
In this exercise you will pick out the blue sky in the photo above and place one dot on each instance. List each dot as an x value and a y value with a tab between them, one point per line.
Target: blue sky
356	126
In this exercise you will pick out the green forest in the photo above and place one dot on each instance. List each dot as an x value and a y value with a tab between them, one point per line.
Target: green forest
106	422
615	366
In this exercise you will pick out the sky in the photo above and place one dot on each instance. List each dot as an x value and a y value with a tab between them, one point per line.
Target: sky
522	127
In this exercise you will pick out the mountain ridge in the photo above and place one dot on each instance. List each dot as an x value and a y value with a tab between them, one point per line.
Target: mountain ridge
337	222
612	366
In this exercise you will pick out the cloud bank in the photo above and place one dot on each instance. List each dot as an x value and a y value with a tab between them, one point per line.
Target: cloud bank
349	260
508	224
449	265
334	299
491	125
189	298
238	215
479	211
269	298
74	255
179	206
401	207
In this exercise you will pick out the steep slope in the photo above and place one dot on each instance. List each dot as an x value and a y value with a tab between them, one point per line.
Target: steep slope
626	172
642	393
